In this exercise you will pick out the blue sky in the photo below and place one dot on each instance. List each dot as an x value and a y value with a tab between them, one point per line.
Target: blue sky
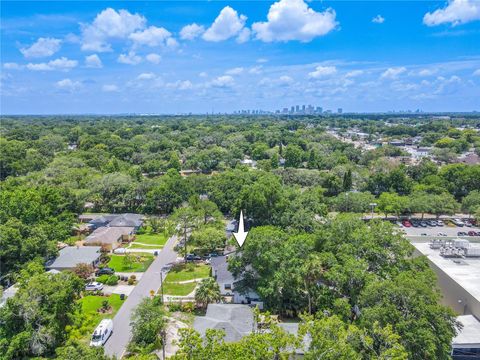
178	57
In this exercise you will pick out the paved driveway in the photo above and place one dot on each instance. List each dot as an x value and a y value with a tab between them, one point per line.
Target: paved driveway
117	344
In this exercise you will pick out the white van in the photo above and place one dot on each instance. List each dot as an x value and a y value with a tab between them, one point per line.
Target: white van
103	331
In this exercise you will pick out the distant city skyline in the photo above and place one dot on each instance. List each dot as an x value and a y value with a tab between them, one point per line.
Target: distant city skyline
190	57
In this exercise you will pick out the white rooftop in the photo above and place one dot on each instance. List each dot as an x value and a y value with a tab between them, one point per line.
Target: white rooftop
466	272
470	333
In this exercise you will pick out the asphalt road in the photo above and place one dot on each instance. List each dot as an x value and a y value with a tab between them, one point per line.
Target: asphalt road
117	344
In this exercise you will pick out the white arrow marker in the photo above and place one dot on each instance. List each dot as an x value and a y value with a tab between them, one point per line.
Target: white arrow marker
241	235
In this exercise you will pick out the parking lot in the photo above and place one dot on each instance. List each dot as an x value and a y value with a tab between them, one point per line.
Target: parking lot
434	231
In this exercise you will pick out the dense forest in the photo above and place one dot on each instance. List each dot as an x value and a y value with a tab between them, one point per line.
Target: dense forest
290	176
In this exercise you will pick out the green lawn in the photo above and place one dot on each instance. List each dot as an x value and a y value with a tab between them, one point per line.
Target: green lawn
89	318
151	239
170	288
188	272
140	265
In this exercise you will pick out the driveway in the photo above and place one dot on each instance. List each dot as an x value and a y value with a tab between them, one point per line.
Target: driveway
118	342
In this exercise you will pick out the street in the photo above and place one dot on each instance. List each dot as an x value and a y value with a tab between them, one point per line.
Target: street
118	342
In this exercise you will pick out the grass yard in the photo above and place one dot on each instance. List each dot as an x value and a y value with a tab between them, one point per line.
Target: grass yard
89	318
184	272
158	240
171	285
171	288
140	262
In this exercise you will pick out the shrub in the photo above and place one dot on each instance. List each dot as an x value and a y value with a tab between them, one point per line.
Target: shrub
188	307
103	279
131	281
112	280
134	277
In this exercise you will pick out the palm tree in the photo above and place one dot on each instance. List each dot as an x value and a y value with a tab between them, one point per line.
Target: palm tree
207	292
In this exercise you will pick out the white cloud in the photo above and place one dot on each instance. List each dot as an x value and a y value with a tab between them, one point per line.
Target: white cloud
427	72
67	84
131	58
93	61
476	72
322	71
456	12
110	24
227	25
192	31
12	66
234	71
285	80
58	64
203	74
153	36
353	73
262	60
153	58
393	73
41	48
294	20
379	19
244	35
180	85
146	76
223	81
255	70
109	88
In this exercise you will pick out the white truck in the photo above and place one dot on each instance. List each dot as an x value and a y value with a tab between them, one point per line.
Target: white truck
101	334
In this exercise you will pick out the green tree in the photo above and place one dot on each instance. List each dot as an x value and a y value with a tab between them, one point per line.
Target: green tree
471	202
391	203
76	350
207	292
187	219
34	320
293	156
209	238
148	320
347	180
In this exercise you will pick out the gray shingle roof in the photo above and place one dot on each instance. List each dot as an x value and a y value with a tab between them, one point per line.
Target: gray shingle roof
71	256
235	320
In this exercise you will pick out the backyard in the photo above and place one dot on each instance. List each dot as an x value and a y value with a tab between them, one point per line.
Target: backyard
182	279
131	262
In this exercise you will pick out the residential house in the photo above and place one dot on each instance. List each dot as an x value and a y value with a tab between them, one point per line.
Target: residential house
238	321
110	237
71	256
227	282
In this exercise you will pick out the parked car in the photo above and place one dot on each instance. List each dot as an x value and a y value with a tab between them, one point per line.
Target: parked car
457	222
101	334
472	233
440	223
423	224
94	286
423	234
104	271
193	257
120	251
415	224
461	233
441	234
432	223
399	224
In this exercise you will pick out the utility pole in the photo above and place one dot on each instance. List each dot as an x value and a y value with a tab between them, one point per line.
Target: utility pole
161	287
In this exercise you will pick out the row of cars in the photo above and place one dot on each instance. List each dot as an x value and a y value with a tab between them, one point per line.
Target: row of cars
421	223
469	233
